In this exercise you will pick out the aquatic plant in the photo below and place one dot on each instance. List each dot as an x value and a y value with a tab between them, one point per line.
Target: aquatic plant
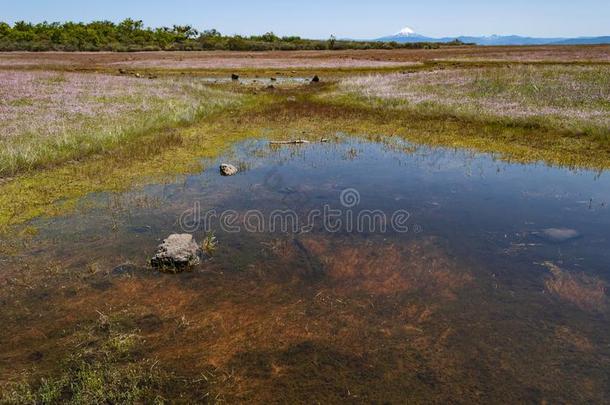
586	292
209	243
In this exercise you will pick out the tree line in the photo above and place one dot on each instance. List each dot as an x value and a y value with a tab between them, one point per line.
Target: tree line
132	35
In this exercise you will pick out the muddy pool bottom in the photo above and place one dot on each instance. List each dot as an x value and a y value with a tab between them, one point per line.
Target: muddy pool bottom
347	271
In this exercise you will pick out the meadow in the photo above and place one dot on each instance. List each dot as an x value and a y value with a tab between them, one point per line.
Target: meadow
53	117
570	98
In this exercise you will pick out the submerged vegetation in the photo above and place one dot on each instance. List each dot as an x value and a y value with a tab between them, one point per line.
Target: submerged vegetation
107	367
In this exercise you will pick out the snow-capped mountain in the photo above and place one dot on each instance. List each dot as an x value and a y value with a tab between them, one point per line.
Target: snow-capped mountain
408	35
406	32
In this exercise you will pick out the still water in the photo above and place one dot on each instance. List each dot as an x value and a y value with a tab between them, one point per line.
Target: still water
350	270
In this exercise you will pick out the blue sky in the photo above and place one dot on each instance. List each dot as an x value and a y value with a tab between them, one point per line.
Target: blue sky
343	18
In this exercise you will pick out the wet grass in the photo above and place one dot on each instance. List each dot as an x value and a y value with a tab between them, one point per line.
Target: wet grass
108	365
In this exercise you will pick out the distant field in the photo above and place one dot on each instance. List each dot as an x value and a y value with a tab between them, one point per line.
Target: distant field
302	59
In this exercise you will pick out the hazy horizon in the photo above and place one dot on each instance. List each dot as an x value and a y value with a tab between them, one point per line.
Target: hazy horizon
358	20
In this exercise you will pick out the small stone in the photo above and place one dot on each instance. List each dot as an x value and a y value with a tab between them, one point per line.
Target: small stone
315	79
559	235
228	170
324	140
137	75
176	253
122	71
273	79
234	77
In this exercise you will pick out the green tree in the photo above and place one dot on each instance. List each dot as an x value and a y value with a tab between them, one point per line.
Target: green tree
332	41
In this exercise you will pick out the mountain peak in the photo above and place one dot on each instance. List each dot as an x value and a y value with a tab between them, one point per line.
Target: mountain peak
406	31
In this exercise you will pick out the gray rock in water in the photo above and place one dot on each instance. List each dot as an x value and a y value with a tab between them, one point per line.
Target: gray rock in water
227	169
176	253
559	235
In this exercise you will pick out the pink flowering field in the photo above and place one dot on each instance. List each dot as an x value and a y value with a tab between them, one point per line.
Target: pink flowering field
563	96
48	117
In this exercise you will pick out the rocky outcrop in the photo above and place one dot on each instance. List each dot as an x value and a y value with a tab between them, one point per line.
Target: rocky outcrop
177	253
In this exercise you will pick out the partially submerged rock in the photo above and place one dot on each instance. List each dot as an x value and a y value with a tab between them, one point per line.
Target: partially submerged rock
559	235
176	253
228	170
